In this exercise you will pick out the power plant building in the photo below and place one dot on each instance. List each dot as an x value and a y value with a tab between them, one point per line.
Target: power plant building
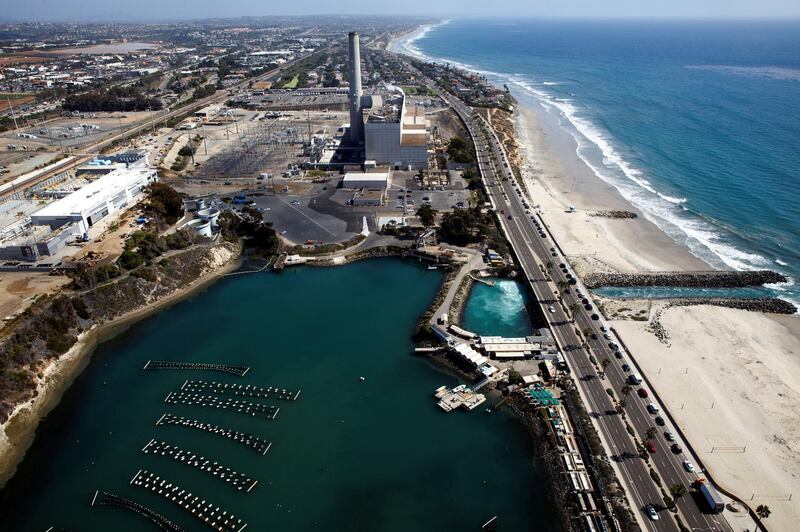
391	133
394	135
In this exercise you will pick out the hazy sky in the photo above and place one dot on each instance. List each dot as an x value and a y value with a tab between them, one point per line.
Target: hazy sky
184	9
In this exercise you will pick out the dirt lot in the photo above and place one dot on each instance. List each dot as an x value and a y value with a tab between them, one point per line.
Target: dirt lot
17	289
16	100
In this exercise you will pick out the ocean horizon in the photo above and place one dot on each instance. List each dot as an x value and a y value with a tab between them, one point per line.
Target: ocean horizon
694	122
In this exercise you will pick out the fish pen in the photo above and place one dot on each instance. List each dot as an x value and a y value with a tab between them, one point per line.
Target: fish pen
103	498
256	443
213	401
203	510
238	481
240	371
242	390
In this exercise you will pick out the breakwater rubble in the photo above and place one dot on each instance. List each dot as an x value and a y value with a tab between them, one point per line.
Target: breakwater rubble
706	279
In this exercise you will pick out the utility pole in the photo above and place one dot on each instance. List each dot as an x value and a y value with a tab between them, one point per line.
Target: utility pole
13	114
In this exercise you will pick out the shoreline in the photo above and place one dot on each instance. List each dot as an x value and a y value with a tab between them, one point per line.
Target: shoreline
19	430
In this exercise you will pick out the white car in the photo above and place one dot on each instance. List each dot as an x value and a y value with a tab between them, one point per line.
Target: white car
651	512
688	466
551	309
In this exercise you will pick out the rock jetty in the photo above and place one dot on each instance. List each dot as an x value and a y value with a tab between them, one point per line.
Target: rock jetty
620	215
706	279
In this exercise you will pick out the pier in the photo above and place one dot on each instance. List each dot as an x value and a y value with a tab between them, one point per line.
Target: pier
460	396
213	401
240	371
206	512
242	390
259	445
235	480
109	499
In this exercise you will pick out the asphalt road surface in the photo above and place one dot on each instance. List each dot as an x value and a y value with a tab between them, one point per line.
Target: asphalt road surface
533	245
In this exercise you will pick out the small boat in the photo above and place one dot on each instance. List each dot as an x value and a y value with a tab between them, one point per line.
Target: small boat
362	379
432	267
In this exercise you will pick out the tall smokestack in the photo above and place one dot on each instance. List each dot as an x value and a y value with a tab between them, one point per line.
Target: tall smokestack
356	117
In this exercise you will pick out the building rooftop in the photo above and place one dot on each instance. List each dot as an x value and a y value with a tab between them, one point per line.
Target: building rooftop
108	185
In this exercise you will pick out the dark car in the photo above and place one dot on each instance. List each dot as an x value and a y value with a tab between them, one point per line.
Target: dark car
626	367
676	448
642	392
594	336
595	317
617	354
660	421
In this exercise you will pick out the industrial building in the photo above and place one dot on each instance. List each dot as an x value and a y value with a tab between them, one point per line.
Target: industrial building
101	197
390	133
372	180
394	135
368	198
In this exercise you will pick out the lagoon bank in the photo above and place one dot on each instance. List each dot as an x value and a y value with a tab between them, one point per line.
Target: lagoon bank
350	453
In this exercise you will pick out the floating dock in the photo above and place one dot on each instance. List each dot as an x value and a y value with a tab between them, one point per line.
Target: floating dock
259	445
214	401
109	499
460	396
238	481
242	390
206	512
240	371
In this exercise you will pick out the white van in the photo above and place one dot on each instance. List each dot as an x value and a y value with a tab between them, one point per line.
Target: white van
634	378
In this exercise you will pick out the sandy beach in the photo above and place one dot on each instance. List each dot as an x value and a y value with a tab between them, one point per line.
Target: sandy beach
731	379
558	179
745	364
18	432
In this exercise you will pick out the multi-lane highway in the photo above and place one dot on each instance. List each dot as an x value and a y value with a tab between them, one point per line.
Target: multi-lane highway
568	309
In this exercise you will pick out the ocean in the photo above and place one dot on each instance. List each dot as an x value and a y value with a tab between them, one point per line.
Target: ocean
375	454
696	123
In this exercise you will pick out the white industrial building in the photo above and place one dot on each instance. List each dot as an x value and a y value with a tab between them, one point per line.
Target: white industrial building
394	135
370	181
101	197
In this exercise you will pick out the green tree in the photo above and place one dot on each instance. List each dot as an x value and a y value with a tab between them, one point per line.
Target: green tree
426	215
677	491
651	433
164	203
129	260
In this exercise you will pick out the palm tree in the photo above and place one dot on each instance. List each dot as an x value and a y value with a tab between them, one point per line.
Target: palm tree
651	433
677	491
626	390
763	511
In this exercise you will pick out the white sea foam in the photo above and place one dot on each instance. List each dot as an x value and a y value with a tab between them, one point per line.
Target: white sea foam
702	237
782	263
667	212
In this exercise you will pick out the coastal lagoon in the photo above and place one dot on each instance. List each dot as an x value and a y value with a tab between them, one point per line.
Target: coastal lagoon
349	454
